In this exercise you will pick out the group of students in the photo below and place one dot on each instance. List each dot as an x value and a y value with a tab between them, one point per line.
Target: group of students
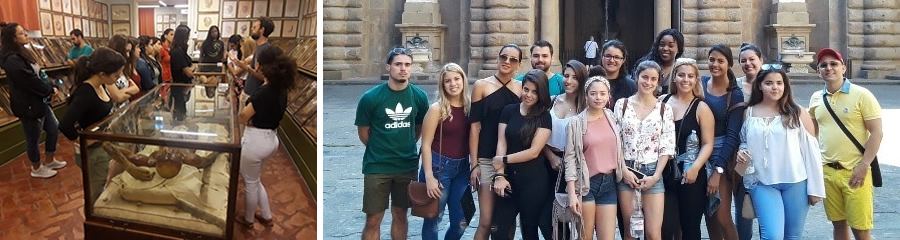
659	152
107	77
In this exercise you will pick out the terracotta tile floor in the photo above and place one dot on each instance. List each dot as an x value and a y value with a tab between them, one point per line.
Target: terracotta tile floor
53	208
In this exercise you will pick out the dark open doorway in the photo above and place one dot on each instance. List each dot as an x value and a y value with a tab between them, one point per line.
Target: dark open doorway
630	21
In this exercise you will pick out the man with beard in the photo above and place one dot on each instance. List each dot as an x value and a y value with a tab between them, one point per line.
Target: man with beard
542	58
388	120
79	47
259	31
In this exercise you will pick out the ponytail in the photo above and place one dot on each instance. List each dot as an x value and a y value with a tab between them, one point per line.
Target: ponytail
103	60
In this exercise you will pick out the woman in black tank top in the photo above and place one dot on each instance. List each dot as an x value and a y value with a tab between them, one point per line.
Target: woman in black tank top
489	96
686	176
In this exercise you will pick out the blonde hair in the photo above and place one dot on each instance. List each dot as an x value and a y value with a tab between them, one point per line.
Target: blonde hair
442	96
698	87
248	46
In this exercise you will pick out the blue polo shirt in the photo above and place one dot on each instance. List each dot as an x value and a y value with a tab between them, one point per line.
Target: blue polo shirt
555	82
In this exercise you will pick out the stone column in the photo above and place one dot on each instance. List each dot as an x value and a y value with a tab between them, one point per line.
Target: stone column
663	12
423	33
707	23
873	37
341	38
550	30
502	22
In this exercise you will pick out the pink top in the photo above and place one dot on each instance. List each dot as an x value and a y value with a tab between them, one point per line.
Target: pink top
600	147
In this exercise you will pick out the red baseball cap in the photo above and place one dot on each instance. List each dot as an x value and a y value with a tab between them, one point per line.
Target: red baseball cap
828	52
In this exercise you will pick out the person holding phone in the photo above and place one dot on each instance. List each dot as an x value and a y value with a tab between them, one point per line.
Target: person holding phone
649	141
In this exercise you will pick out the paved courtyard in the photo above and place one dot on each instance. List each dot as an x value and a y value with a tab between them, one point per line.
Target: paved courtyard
342	174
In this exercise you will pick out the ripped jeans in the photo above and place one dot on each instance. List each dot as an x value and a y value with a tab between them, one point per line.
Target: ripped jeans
453	175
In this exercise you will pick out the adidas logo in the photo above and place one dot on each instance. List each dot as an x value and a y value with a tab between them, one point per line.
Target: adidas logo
398	114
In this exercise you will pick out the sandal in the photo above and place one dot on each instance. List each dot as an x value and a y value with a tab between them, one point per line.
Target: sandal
243	222
263	221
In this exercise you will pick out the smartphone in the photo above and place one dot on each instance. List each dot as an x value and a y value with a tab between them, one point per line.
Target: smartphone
637	173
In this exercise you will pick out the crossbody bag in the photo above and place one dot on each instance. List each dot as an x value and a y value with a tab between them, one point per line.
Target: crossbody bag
876	169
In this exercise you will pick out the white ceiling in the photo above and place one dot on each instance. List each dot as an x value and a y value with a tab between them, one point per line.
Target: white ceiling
156	2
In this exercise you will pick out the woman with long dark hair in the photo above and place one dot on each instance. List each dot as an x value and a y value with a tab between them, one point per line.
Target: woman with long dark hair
182	71
262	115
564	106
212	50
144	66
726	100
489	96
594	162
668	46
521	181
445	158
685	197
777	141
90	102
648	136
125	86
614	57
29	96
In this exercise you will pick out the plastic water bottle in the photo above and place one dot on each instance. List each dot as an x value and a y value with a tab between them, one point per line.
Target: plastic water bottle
637	218
692	146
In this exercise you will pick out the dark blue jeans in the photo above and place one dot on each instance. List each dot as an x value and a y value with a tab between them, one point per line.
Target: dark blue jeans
32	128
453	175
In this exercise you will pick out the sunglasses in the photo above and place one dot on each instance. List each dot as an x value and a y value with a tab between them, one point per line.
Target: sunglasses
833	64
773	66
401	50
504	57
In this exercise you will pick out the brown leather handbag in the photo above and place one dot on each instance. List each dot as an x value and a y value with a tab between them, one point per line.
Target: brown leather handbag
422	205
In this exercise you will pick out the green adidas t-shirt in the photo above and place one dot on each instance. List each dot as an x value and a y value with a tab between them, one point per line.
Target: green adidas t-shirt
555	82
392	117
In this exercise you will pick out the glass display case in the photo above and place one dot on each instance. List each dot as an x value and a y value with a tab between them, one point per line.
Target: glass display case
167	178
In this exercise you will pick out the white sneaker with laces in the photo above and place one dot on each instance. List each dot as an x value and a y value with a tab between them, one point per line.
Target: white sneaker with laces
56	164
43	172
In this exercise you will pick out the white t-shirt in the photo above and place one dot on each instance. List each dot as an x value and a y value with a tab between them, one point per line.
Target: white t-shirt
590	49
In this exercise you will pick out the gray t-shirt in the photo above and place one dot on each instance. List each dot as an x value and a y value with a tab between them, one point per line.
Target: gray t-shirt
252	82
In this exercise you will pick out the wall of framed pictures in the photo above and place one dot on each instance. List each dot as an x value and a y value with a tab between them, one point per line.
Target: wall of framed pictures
59	17
238	15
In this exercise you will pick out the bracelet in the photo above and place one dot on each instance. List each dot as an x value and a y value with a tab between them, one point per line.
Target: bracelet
495	176
473	167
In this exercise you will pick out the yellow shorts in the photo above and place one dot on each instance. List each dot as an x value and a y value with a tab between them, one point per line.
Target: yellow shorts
856	206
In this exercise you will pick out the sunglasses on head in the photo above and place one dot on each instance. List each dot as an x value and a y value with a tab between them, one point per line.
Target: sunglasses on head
401	50
504	57
772	66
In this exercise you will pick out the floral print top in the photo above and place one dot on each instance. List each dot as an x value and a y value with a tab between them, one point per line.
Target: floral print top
648	139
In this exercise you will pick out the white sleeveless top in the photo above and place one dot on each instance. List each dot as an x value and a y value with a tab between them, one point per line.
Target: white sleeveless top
558	133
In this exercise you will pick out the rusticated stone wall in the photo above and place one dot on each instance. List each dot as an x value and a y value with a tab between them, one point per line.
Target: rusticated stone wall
342	37
709	22
873	37
496	23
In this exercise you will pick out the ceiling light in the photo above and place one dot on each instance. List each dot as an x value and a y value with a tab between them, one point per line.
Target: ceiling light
147	6
162	3
181	6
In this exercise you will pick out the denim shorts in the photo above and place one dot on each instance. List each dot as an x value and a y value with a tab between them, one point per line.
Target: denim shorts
603	189
647	169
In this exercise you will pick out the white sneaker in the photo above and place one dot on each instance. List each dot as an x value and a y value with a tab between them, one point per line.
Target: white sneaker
56	164
43	172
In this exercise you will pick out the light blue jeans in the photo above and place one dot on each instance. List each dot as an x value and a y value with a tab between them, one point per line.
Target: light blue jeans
453	175
781	209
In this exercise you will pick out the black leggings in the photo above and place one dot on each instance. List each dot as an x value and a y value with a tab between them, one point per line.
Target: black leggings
529	182
684	207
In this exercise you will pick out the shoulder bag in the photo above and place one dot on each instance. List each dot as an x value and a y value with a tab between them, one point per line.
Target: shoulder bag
422	205
876	169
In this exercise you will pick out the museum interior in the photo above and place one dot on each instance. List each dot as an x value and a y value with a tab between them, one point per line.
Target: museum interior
142	172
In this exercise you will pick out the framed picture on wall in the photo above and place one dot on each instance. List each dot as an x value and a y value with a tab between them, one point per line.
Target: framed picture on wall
95	9
105	11
67	6
59	29
243	28
121	12
289	28
292	8
76	7
122	28
85	28
276	8
259	8
245	9
206	20
277	31
44	4
56	5
229	9
208	5
227	28
67	20
76	24
85	8
46	24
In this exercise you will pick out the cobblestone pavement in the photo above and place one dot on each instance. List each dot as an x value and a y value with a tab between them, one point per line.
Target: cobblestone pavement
342	174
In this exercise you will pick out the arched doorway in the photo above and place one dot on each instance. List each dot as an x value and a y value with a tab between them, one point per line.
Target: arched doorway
631	21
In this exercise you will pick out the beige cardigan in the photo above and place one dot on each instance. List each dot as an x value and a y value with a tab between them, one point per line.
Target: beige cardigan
574	158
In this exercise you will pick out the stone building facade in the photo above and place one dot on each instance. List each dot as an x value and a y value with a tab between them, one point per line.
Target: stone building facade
358	34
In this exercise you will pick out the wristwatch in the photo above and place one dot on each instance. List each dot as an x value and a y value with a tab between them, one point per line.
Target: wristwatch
505	160
720	170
